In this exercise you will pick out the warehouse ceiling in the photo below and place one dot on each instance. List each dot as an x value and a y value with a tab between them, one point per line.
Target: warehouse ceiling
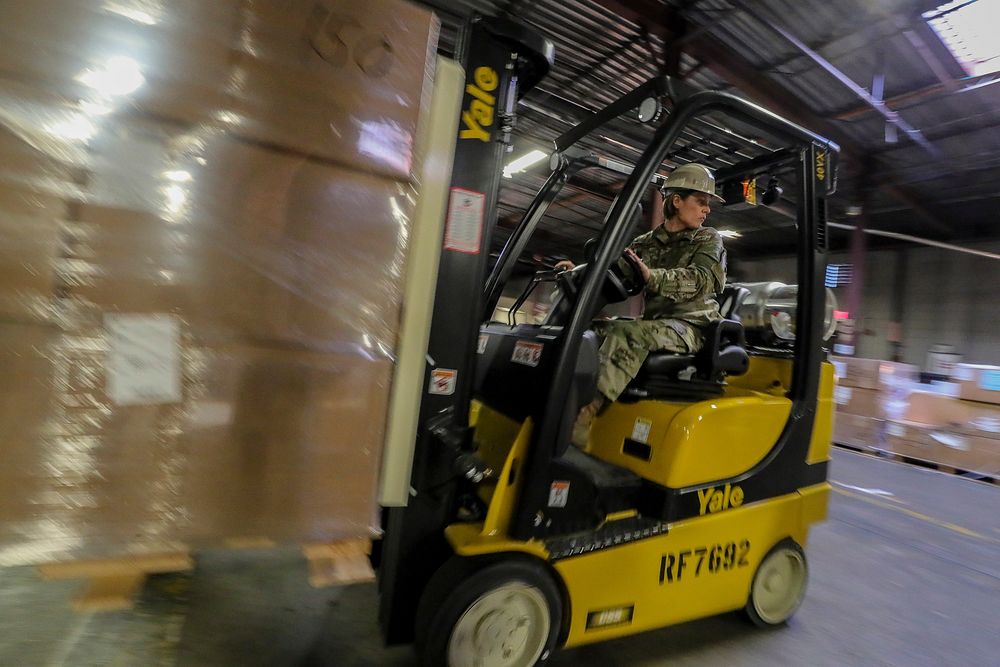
920	134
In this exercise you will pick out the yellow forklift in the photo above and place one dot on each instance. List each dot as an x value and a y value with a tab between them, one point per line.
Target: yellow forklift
698	487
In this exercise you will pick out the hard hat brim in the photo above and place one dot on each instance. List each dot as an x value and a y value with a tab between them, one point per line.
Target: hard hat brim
663	192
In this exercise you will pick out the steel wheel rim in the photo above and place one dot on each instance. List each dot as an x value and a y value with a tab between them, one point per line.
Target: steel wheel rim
779	586
505	627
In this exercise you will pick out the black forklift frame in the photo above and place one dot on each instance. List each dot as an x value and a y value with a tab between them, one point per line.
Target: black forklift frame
815	157
413	545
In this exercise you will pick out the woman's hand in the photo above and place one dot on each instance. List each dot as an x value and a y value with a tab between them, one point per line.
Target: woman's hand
642	265
564	265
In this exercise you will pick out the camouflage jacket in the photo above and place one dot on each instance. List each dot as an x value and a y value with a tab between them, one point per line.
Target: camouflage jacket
687	270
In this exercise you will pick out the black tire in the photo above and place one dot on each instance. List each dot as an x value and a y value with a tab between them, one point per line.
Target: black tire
785	554
462	582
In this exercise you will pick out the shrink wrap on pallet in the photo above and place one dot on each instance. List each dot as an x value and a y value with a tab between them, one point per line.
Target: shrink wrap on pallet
204	220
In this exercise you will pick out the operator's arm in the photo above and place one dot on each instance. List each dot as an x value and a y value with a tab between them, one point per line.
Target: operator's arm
704	276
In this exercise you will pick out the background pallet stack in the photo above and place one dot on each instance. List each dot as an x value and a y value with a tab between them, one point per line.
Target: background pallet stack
957	426
868	392
204	213
883	407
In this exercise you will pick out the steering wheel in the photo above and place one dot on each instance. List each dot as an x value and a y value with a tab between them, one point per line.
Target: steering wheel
630	277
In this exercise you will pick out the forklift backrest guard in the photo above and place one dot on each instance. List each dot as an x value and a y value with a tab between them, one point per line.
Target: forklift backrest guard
515	367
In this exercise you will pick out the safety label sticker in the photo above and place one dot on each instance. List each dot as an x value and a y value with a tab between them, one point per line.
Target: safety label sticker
559	493
640	430
144	360
464	227
443	381
526	353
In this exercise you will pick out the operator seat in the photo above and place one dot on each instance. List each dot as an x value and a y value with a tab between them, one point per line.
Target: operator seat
670	376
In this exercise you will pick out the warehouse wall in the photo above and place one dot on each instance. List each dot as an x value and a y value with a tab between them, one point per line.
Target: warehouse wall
949	298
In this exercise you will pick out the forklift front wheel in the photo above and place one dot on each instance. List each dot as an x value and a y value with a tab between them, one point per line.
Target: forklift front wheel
504	613
778	585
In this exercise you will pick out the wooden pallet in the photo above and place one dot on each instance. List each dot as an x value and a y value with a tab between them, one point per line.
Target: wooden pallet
991	478
113	582
866	449
339	563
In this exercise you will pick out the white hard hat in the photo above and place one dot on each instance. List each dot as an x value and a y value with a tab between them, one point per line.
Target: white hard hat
692	176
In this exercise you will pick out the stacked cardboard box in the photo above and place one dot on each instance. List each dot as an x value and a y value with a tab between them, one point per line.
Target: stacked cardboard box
204	212
978	383
941	429
867	391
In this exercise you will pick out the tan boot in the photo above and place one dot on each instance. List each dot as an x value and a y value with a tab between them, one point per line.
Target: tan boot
584	420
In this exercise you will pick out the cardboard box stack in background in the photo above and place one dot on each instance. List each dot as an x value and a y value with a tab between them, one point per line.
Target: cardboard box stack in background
940	428
868	392
203	228
882	406
978	383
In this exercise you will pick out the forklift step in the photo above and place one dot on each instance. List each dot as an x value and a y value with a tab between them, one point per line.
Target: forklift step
611	534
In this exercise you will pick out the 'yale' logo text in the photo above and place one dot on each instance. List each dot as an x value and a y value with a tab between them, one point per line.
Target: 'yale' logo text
715	500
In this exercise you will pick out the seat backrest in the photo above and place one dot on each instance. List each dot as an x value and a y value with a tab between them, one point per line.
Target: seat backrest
725	349
730	299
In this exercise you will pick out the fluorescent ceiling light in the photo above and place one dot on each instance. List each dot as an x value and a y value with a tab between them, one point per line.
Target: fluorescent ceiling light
729	234
968	29
523	162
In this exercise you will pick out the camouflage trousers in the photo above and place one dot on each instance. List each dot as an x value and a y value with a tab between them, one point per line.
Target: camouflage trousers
626	344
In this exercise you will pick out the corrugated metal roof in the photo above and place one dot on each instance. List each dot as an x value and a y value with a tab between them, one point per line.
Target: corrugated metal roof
601	55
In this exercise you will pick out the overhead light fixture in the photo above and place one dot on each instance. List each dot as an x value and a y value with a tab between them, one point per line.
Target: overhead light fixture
729	234
523	162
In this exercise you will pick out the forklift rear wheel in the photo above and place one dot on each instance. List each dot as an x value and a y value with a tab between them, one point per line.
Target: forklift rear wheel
778	585
501	614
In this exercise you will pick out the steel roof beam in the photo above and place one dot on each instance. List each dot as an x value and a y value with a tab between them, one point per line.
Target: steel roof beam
890	116
728	64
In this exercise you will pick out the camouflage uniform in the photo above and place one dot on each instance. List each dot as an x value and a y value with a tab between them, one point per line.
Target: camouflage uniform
687	270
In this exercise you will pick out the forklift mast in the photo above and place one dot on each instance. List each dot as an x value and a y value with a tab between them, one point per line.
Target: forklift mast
502	61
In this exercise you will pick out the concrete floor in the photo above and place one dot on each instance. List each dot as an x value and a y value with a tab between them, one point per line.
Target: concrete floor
906	571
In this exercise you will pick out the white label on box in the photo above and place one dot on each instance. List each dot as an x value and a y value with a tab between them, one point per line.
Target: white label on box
210	414
897	430
945	388
464	227
963	373
641	429
840	369
558	494
144	361
842	395
987	424
527	354
951	440
443	381
840	348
